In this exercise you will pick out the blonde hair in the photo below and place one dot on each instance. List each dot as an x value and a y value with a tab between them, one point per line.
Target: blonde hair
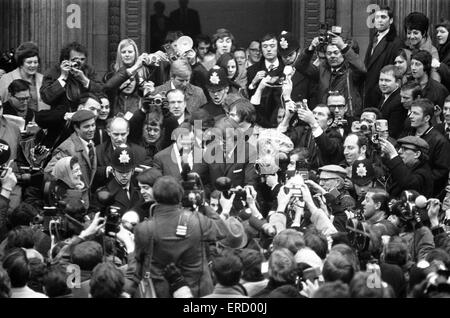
122	44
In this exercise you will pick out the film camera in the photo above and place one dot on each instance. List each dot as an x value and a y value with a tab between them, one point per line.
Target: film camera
24	174
373	131
150	102
170	51
325	35
108	211
223	184
194	193
410	208
75	64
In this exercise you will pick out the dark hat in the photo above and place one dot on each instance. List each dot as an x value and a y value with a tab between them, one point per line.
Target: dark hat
444	23
417	21
362	172
123	159
332	171
236	236
217	78
82	115
287	43
5	152
418	142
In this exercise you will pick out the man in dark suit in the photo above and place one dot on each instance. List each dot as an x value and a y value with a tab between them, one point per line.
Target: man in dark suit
123	187
186	20
172	160
302	86
270	65
384	45
390	104
228	155
444	127
118	130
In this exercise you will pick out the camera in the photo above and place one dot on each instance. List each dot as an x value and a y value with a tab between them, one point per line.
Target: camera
112	219
194	192
325	34
358	234
75	64
223	184
150	102
170	51
339	123
363	127
409	208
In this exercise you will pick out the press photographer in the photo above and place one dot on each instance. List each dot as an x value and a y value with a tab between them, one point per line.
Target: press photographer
151	126
319	136
190	229
343	71
64	84
408	166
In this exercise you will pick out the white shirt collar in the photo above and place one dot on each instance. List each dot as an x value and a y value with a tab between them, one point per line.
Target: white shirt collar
181	119
383	34
275	64
178	157
85	143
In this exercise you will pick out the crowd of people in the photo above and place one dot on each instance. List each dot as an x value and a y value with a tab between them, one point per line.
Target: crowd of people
205	169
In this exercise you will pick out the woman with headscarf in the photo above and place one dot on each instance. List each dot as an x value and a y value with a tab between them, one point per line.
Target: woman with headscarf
68	181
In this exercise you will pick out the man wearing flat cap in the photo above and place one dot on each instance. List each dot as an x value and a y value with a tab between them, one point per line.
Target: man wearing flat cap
79	145
302	86
338	200
408	166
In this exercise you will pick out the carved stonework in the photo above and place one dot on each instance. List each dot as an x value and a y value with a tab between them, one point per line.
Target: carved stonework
113	29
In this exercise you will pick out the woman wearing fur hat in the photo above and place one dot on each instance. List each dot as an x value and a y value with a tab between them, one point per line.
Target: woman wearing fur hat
442	30
417	38
27	58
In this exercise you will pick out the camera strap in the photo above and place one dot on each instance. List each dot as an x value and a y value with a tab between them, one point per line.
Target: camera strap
350	103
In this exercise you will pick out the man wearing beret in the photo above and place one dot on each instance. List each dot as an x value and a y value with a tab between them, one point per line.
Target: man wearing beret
408	166
79	145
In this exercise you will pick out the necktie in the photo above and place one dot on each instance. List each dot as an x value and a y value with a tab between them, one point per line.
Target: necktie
91	153
127	192
271	67
375	42
447	132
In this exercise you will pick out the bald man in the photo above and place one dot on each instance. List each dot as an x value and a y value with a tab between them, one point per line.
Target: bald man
118	130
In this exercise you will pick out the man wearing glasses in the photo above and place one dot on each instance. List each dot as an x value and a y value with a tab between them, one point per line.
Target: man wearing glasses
19	97
408	165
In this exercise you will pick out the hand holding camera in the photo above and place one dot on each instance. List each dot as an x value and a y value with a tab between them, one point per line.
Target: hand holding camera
258	77
387	148
337	40
226	204
314	43
65	68
96	225
8	178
